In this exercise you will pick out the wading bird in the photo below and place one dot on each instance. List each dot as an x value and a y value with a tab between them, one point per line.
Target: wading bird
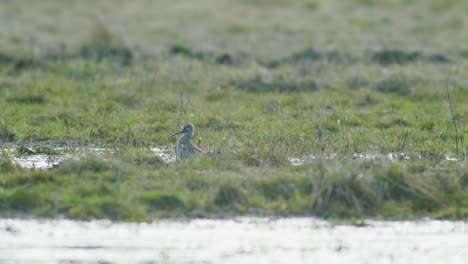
185	148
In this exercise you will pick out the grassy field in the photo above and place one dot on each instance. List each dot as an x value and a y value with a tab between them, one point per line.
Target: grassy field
262	81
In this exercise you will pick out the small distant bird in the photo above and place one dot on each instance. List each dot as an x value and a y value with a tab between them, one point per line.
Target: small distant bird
185	148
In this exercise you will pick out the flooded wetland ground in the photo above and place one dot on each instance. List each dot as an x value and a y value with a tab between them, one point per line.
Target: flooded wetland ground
335	131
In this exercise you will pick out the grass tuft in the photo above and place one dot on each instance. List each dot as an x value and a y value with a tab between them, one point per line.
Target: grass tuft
395	85
342	191
310	55
149	160
21	201
184	51
16	64
157	200
263	156
277	188
386	57
104	207
222	58
104	44
258	85
6	164
394	56
229	194
91	164
34	177
6	133
395	184
28	98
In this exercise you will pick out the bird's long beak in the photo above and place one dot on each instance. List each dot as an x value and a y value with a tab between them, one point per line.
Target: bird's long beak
180	132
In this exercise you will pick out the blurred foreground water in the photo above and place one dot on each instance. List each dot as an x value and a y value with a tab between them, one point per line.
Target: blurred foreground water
244	240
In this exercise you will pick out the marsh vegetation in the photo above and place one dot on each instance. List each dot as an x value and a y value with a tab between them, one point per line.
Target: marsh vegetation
289	80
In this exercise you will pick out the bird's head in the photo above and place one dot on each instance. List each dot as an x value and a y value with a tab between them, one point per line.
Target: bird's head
186	130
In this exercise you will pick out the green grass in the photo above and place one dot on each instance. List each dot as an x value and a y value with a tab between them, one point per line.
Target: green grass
125	189
287	80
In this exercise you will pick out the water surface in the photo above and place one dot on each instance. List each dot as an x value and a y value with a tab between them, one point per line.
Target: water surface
244	240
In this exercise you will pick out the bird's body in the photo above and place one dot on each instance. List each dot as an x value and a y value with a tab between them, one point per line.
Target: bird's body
185	148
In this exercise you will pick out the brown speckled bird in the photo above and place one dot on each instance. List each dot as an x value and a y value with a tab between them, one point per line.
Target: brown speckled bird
185	148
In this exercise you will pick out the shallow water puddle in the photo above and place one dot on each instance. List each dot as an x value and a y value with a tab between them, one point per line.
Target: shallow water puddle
165	153
43	161
38	161
244	240
360	156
